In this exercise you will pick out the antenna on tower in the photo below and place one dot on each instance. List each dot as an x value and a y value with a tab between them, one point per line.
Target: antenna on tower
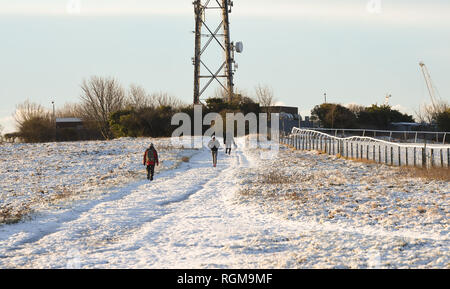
228	67
386	100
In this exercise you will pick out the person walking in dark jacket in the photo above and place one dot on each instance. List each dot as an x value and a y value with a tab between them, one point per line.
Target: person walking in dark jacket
150	159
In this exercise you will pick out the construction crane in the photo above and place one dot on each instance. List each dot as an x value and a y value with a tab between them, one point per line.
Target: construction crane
430	86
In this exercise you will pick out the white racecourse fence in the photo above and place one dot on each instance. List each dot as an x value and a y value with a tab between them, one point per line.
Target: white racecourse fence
368	148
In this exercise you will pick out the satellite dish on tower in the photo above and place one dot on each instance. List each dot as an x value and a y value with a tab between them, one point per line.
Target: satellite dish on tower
239	47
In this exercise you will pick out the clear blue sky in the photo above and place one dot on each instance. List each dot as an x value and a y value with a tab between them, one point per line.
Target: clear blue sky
301	48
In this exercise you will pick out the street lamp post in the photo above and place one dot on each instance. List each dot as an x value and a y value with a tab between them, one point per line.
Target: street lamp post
54	118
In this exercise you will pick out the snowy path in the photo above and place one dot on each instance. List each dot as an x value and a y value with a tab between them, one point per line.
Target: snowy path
187	218
179	220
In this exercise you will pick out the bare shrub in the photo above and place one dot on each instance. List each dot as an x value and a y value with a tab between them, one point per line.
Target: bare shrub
164	99
34	122
70	110
264	95
437	113
27	111
100	98
138	98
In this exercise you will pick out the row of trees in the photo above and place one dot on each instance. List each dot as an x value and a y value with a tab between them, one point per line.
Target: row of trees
109	111
376	116
333	115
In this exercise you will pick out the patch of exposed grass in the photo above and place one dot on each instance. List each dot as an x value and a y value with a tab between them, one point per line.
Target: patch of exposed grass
275	177
10	215
440	174
185	159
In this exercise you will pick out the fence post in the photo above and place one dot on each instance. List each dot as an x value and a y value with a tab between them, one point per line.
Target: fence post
346	148
424	157
379	154
373	153
407	161
351	144
392	156
432	158
415	155
357	151
367	153
385	155
399	156
448	158
442	158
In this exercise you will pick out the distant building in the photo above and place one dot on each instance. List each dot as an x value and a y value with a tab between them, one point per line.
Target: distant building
405	126
289	117
281	109
75	123
308	123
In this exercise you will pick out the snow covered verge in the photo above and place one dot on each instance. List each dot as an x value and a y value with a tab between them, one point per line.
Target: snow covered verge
299	210
351	214
36	177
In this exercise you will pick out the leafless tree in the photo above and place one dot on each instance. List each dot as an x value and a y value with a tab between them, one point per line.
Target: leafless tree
28	111
70	110
138	98
238	95
428	113
356	109
265	95
100	98
165	99
34	122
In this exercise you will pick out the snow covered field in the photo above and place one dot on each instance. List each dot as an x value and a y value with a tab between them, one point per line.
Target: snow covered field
36	176
301	210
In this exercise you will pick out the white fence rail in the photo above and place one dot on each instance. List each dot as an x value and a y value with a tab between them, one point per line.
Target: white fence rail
389	135
368	148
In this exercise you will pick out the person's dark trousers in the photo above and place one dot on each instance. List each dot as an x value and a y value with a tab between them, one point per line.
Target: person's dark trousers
228	151
150	172
214	156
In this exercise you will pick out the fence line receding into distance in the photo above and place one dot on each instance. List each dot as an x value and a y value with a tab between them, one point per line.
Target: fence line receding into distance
372	149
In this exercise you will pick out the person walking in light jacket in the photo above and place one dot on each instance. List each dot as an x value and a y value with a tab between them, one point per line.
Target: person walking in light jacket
214	145
229	142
